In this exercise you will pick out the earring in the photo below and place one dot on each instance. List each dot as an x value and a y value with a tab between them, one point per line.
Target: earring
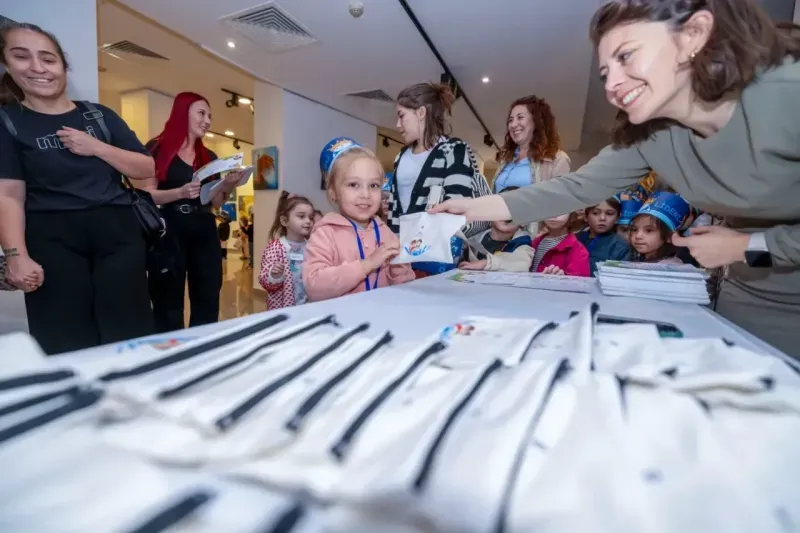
692	55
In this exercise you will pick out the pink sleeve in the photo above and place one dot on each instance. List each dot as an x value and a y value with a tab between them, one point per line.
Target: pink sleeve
323	277
271	256
397	274
578	262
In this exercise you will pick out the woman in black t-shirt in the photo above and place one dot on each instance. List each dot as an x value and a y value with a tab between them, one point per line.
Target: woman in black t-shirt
71	239
179	152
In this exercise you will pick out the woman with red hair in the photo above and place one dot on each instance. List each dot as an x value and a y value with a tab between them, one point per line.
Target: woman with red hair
532	151
178	152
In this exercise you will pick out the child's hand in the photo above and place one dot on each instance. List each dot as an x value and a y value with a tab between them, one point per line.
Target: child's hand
381	256
473	265
276	271
553	270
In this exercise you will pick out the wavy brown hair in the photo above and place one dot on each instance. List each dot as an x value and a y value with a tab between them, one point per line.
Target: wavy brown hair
743	41
438	101
545	143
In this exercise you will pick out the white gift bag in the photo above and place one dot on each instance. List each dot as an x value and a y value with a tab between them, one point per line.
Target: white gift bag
425	237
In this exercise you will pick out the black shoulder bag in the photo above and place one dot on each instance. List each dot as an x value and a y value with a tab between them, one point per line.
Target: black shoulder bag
153	226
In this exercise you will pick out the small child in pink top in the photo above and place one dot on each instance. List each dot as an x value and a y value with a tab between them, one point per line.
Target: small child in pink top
349	251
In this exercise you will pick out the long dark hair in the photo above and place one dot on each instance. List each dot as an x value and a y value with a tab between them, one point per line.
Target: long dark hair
545	142
176	131
438	101
743	41
286	203
9	90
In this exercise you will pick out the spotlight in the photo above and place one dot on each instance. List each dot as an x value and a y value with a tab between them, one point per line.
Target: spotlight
236	144
210	135
231	44
385	142
229	133
244	100
487	140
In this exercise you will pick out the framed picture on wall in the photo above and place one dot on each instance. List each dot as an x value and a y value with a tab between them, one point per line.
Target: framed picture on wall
266	162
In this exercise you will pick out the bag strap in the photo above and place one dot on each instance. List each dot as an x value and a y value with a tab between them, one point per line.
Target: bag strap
90	112
7	122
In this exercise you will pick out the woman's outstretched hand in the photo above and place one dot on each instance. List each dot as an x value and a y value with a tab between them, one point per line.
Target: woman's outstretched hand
489	208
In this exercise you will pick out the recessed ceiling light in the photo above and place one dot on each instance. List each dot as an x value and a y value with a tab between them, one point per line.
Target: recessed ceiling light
245	101
231	44
485	79
210	135
229	133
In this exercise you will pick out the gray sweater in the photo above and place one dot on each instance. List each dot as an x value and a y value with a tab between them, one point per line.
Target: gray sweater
749	173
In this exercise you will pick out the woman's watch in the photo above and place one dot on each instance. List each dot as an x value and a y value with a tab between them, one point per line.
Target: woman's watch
757	254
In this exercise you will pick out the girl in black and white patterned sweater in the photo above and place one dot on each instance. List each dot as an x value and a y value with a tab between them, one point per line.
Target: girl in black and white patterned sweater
432	167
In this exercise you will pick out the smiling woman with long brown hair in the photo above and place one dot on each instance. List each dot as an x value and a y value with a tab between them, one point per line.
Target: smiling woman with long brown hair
708	93
532	150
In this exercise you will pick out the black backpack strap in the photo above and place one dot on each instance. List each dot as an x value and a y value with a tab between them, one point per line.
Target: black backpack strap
7	122
90	112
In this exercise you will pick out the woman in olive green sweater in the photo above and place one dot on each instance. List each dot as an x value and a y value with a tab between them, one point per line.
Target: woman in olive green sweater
709	99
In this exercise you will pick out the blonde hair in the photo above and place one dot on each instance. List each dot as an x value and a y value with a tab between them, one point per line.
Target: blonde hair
341	165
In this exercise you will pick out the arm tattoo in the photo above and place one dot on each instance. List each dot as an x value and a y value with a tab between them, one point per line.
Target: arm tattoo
11	252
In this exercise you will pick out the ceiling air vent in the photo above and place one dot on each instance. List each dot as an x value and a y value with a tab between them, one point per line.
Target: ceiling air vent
271	27
374	94
128	47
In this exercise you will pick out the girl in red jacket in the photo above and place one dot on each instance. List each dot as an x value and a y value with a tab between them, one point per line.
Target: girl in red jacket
558	251
282	262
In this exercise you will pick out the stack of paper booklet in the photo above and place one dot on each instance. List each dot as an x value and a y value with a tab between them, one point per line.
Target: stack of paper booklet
656	281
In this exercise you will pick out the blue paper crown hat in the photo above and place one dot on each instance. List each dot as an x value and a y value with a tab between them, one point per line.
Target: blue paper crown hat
630	205
387	182
334	149
668	207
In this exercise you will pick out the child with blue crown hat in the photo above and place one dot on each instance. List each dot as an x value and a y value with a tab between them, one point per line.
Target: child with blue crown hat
351	250
630	204
653	226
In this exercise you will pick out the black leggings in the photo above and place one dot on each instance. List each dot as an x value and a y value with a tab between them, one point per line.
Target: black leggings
95	280
198	260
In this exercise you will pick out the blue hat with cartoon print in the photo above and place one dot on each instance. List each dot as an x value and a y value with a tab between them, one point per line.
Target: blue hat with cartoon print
670	208
630	204
334	149
387	181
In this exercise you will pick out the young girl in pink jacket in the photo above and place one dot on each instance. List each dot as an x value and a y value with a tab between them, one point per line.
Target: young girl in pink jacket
350	251
283	258
558	251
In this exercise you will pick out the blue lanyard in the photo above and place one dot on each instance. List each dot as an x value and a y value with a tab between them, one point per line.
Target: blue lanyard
361	252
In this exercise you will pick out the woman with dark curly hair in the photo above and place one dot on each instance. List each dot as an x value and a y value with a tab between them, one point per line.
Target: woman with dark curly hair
532	152
708	93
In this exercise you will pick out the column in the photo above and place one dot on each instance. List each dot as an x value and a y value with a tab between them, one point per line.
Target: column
74	24
145	111
300	128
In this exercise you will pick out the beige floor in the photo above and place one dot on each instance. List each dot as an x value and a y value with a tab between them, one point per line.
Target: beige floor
237	298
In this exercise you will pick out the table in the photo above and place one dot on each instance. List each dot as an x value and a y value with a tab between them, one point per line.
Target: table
415	310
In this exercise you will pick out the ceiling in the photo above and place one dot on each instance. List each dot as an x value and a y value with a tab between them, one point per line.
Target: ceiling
189	68
525	48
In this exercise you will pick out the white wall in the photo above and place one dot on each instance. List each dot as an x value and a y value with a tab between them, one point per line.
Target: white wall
74	24
300	129
307	128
